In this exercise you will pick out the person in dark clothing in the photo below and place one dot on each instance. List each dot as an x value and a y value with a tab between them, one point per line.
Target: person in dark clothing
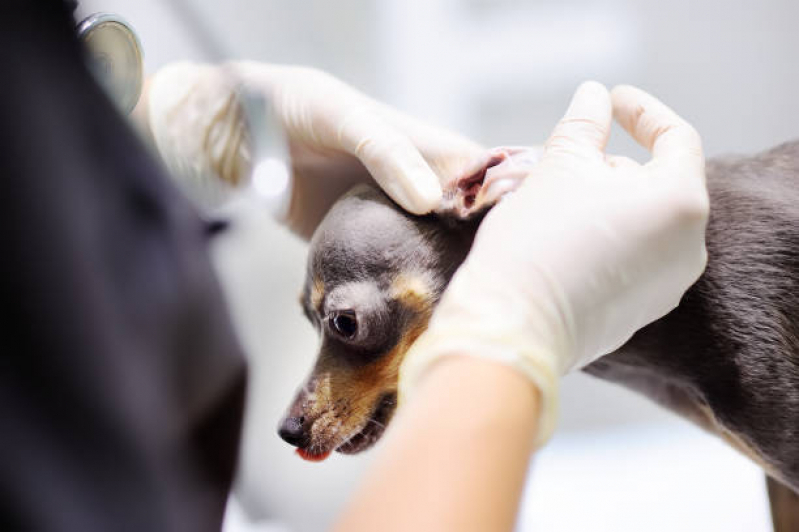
122	383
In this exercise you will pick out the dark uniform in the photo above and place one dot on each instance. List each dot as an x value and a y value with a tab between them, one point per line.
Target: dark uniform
121	380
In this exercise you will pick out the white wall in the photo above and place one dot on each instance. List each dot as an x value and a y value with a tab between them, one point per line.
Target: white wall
500	71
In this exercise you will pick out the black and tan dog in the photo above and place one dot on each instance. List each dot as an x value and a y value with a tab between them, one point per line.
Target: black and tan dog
727	358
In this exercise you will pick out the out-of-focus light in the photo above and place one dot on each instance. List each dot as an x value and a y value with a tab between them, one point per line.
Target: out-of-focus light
270	178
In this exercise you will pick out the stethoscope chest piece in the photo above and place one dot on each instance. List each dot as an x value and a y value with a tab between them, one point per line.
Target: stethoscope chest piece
115	57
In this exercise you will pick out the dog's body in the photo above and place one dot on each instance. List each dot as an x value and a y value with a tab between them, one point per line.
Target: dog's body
726	358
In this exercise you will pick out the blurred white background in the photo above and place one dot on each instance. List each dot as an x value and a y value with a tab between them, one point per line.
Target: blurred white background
500	71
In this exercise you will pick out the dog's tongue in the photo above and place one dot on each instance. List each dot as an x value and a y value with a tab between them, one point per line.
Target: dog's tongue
311	457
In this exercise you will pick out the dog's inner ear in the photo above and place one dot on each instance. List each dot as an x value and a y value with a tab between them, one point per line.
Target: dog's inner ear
469	187
500	172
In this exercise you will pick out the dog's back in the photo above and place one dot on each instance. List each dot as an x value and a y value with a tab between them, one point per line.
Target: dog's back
728	356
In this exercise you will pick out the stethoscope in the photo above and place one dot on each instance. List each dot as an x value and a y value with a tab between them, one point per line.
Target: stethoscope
115	57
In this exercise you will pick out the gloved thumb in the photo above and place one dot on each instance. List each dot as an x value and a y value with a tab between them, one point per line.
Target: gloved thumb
392	160
659	129
585	128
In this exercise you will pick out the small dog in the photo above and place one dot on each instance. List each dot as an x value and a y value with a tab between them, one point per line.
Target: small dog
727	358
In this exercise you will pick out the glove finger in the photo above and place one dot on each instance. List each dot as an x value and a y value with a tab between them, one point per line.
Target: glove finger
655	126
585	128
392	160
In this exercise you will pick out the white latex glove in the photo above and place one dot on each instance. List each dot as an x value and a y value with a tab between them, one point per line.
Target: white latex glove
337	137
196	121
588	250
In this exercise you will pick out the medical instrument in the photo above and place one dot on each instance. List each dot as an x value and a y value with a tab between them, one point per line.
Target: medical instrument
115	57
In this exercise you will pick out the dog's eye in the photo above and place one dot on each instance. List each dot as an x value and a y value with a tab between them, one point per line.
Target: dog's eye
344	323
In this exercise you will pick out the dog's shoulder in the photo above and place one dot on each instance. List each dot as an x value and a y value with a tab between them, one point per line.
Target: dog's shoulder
733	342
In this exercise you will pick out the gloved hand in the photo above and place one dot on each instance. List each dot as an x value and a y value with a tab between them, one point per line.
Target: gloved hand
336	135
589	249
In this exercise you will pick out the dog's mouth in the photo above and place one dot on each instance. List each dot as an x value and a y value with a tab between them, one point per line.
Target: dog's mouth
373	428
360	440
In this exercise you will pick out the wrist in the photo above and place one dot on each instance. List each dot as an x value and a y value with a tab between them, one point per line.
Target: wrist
482	317
438	347
434	456
493	394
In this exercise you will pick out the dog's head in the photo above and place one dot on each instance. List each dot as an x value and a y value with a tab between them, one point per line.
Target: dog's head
374	276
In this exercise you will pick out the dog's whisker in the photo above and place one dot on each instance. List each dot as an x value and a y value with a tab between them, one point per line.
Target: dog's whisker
350	438
382	426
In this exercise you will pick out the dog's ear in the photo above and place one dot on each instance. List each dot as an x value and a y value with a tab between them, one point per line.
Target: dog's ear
501	171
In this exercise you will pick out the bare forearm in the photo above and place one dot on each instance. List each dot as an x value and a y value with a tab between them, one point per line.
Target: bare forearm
456	457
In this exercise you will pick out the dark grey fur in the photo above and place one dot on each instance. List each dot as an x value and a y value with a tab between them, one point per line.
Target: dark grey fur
733	343
727	357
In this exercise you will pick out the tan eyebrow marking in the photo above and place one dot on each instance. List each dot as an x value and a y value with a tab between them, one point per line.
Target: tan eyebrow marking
413	290
317	293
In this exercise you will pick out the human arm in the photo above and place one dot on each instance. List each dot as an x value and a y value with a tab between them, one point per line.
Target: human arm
589	249
470	426
337	136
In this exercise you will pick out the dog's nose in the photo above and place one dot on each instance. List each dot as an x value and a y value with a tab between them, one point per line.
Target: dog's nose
293	431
